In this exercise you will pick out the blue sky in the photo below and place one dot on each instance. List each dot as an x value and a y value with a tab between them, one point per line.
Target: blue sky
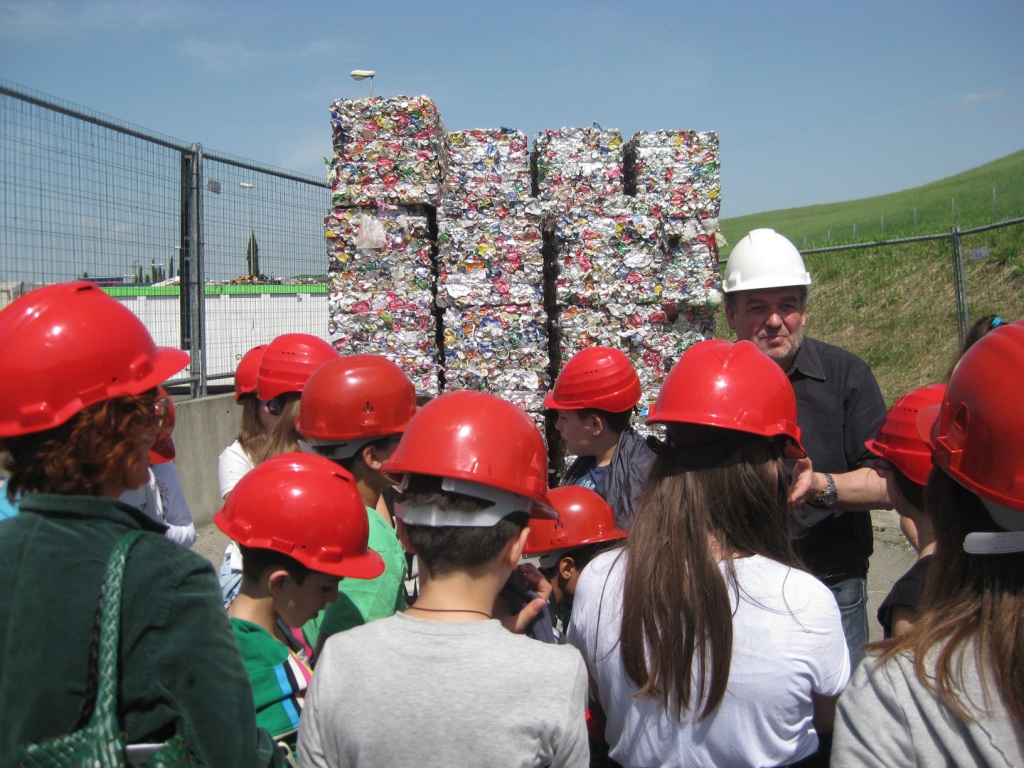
814	102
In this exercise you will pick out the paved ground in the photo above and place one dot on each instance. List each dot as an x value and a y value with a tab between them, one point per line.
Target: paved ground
893	556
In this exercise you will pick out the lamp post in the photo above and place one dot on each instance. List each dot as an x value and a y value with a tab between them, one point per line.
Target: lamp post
364	74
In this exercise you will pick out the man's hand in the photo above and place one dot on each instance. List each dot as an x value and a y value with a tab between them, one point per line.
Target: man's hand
801	484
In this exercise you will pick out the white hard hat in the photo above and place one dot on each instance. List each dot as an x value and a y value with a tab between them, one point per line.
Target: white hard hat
764	259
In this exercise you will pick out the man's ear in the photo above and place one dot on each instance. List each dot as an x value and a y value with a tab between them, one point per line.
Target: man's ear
596	425
276	581
730	315
566	565
403	536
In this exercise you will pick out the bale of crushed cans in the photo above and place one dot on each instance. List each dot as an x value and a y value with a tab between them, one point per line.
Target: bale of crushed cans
382	274
489	253
609	250
680	169
497	348
387	151
577	164
489	228
375	250
491	268
488	164
400	330
512	259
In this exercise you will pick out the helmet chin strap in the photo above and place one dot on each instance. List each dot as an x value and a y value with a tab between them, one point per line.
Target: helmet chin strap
1010	540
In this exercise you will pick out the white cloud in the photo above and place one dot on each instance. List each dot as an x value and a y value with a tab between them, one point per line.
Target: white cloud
975	98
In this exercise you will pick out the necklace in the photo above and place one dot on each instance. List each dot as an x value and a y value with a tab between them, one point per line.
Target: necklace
448	610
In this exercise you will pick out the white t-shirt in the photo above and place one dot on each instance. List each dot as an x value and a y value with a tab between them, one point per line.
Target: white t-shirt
787	643
163	499
232	465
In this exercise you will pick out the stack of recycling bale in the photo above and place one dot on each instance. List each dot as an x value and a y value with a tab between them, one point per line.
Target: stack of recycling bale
619	271
386	175
679	171
491	270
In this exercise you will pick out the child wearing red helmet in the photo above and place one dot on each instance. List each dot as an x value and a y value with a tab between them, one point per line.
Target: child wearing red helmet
595	396
462	689
301	528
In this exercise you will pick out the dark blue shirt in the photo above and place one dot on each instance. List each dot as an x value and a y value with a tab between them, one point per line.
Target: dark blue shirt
839	407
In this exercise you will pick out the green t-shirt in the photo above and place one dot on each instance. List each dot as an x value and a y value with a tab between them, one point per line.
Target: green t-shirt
279	678
364	600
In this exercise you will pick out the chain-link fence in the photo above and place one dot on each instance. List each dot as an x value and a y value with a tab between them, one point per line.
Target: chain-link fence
216	254
905	305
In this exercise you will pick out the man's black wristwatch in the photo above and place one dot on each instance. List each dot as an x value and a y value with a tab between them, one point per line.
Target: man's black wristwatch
827	497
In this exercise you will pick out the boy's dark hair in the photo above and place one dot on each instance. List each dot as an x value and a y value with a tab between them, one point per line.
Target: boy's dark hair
446	549
617	422
581	556
256	561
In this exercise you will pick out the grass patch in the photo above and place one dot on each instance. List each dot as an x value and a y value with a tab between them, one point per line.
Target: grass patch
983	195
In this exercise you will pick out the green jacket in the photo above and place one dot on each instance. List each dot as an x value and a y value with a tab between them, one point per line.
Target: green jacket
180	666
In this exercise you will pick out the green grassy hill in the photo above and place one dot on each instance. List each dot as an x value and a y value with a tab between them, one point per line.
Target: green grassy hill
894	305
965	200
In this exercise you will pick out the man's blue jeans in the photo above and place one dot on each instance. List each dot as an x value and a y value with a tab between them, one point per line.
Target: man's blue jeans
852	598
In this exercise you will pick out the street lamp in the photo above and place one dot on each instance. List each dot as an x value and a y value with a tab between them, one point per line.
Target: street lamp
363	74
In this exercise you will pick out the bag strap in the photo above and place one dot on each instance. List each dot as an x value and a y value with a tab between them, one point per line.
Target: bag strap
110	629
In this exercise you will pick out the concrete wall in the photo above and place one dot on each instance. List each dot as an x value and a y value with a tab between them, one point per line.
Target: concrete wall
202	429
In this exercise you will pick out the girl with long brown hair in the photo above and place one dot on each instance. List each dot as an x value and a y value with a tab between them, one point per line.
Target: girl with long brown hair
951	690
707	642
270	410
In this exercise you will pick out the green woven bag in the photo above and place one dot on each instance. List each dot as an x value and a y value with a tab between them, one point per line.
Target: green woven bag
100	743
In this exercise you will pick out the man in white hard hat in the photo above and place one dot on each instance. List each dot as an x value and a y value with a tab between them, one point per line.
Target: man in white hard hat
840	406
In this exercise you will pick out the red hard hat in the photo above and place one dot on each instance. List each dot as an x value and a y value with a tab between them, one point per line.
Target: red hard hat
979	435
289	361
732	385
353	400
68	346
583	518
479	438
162	449
602	378
245	372
899	440
306	507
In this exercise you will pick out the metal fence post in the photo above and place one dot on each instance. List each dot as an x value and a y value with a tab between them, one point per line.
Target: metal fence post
959	285
193	280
